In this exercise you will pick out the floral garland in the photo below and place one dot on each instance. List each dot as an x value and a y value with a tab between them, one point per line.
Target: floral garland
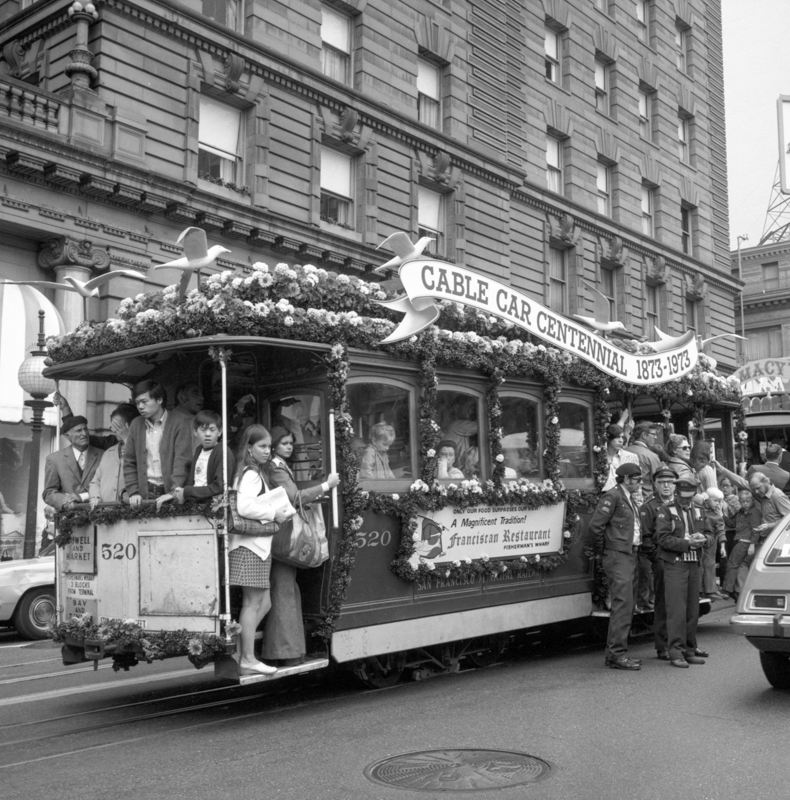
354	498
126	636
68	521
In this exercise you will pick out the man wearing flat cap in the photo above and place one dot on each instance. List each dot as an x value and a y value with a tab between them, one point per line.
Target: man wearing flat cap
663	493
682	530
68	472
616	532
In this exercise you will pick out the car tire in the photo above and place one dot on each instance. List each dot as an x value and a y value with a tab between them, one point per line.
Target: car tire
776	667
34	613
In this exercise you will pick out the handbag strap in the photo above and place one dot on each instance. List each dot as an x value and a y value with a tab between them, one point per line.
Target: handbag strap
258	472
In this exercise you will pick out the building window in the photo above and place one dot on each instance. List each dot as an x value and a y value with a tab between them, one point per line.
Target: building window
765	343
651	309
558	280
648	204
607	287
642	19
602	77
681	46
430	219
219	142
337	180
429	82
645	115
335	44
683	138
552	54
226	12
554	164
686	221
692	322
771	276
604	183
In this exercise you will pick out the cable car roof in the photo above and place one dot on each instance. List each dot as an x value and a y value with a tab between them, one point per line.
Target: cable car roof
130	366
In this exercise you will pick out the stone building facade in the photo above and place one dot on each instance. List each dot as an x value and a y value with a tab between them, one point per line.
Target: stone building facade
547	143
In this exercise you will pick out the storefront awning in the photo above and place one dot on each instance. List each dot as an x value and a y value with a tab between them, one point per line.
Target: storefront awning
19	307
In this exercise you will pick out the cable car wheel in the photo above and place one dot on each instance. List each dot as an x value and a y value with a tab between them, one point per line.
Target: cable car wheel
486	650
379	672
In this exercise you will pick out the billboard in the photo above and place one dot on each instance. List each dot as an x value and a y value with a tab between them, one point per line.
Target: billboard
783	118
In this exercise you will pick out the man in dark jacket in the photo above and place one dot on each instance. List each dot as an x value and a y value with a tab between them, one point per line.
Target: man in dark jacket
616	534
664	492
682	530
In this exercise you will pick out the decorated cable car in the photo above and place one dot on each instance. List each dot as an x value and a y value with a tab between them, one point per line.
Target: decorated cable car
466	421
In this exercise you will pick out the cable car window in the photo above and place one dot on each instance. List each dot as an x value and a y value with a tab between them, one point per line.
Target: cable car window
521	437
458	454
382	430
302	413
575	440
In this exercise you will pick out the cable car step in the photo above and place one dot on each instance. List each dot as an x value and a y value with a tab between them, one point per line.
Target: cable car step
226	668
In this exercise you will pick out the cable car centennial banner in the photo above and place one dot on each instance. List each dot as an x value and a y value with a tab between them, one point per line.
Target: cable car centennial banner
428	280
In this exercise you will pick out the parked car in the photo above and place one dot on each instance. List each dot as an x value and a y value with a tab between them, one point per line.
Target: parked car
27	593
762	614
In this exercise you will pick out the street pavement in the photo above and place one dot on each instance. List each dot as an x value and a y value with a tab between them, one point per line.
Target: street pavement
713	732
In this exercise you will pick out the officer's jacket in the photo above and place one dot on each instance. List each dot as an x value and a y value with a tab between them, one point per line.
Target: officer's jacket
612	523
670	532
647	517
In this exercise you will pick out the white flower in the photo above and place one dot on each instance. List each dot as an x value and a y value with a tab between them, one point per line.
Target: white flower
309	269
431	453
554	420
396	497
500	458
382	296
431	566
541	348
282	269
259	266
484	556
236	283
447	573
566	534
343	279
456	563
537	557
467	561
288	321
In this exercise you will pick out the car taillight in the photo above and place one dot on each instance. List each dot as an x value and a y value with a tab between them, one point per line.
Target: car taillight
771	601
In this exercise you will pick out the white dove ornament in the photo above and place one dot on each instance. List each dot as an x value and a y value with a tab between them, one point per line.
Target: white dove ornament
197	255
404	250
602	321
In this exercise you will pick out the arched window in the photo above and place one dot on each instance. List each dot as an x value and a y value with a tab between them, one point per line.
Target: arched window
576	442
458	414
522	436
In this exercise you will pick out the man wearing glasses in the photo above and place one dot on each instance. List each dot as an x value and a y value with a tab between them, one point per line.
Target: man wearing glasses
644	437
616	533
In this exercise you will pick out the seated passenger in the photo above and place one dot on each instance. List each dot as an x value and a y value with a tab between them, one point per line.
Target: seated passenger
107	485
283	636
471	464
205	476
375	464
445	464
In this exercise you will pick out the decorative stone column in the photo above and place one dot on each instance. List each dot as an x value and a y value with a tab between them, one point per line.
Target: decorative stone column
79	69
75	259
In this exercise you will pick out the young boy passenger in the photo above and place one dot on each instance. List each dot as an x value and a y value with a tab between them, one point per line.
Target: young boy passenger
205	476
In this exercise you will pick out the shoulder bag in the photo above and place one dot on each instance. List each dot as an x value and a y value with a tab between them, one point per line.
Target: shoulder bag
254	527
302	543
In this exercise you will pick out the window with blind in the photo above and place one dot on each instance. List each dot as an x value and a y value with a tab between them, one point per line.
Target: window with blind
554	164
643	19
765	343
337	182
771	276
335	44
429	86
551	58
608	288
602	70
683	137
603	184
226	12
651	310
219	142
692	315
681	46
558	280
645	114
648	202
430	219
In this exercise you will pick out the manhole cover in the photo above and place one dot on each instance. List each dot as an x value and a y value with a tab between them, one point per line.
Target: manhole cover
458	770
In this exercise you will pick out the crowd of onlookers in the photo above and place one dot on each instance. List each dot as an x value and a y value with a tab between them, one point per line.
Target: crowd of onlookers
674	524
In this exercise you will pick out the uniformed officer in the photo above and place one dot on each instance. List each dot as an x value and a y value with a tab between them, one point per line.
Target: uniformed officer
682	530
616	535
663	493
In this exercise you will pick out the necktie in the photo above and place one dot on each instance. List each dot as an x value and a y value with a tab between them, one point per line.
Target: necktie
81	462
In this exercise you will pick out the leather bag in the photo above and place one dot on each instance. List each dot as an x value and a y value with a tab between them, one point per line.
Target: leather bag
302	542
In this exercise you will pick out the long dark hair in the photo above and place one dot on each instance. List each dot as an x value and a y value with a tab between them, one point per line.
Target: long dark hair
252	435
